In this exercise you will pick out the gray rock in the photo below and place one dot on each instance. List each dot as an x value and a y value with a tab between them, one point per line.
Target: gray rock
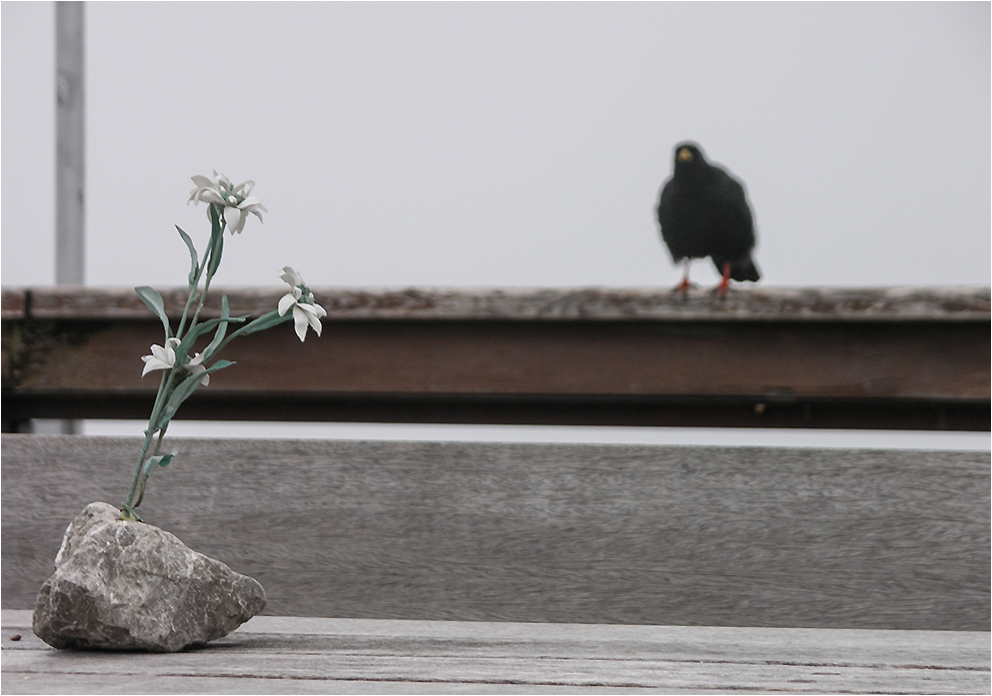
132	586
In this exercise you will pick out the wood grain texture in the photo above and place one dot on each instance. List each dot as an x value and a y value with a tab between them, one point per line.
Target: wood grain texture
735	361
556	533
307	655
946	304
752	374
778	357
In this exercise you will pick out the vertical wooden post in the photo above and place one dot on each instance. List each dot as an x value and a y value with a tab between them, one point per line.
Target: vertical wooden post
70	259
70	147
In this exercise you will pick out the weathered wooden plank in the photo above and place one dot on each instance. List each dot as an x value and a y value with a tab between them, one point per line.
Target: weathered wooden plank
766	359
769	363
946	304
556	533
294	655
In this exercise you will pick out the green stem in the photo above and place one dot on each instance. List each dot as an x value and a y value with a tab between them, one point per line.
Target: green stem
192	294
204	264
189	303
144	479
165	386
137	471
216	243
149	433
196	315
141	492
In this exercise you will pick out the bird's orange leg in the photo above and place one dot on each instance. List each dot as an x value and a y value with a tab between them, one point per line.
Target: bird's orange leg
684	286
721	289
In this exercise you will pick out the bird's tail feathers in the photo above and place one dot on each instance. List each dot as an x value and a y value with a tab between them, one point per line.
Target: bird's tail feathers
744	269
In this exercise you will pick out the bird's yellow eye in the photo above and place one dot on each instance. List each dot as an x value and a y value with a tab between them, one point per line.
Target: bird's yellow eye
685	155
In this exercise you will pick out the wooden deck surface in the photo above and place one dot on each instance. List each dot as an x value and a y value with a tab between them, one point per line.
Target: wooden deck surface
339	656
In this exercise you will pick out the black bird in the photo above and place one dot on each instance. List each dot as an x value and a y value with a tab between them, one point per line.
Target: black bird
703	212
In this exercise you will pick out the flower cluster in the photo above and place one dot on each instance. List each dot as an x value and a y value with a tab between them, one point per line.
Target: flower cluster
164	358
306	312
234	200
228	208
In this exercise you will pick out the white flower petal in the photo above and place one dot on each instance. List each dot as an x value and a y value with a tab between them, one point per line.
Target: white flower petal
202	181
285	302
300	317
235	219
162	357
211	196
244	188
291	277
314	321
195	366
253	206
151	364
166	355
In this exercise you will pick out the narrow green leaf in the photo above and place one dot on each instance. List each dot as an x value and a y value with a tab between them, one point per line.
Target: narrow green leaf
194	269
199	330
266	321
161	459
154	302
225	314
218	249
185	389
216	240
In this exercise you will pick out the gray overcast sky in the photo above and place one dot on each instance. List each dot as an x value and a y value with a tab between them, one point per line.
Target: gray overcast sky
509	143
504	144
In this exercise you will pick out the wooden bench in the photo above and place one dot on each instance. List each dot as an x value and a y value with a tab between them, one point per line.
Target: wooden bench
481	567
293	655
485	568
700	536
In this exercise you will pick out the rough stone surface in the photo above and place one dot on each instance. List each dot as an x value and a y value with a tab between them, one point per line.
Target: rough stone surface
132	586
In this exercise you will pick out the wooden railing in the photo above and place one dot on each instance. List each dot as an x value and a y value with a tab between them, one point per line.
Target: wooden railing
774	357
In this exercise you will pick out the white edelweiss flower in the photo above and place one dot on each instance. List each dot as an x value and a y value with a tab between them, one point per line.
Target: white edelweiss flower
164	358
234	200
195	366
306	312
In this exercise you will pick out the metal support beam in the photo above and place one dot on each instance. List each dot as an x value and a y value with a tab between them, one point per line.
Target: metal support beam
70	149
70	257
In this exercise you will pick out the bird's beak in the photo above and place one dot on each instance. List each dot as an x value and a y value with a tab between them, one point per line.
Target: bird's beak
685	155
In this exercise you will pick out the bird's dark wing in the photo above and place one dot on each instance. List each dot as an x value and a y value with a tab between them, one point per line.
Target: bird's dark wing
730	199
676	229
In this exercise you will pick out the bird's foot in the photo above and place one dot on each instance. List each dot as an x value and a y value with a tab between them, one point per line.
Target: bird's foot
721	290
684	287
